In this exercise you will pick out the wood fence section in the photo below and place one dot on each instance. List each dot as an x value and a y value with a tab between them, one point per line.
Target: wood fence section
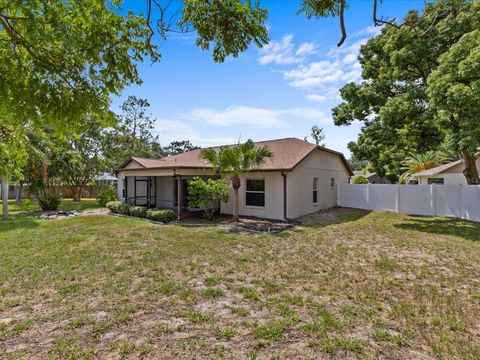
90	191
461	201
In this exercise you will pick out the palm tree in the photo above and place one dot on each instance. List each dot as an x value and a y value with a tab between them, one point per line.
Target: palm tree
419	162
233	161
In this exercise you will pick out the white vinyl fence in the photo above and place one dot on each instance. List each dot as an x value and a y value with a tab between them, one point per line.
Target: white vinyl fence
461	201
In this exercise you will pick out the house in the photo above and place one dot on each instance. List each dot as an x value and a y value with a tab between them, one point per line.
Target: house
299	179
106	178
373	178
447	174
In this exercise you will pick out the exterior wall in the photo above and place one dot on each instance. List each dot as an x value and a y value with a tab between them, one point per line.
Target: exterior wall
319	164
449	179
165	196
273	208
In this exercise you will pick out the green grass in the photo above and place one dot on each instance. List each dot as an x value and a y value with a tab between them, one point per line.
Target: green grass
349	283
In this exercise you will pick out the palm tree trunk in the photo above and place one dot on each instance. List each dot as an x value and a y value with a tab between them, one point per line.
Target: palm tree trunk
4	197
236	185
471	171
236	211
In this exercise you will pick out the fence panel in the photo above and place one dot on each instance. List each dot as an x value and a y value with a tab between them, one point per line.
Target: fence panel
383	197
416	199
447	201
470	200
431	200
353	196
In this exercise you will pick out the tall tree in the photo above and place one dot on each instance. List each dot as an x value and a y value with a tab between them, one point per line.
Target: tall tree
454	88
83	158
318	135
234	161
178	147
132	135
392	100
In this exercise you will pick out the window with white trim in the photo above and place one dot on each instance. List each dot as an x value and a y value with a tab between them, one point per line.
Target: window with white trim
315	191
332	183
255	192
438	181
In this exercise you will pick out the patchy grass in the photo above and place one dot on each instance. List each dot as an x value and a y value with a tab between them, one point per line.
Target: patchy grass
345	284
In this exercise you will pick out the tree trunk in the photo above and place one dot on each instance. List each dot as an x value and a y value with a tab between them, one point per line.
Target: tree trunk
77	193
236	186
4	198
471	171
18	196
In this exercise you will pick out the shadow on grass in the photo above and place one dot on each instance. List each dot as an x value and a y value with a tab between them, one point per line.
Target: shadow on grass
446	226
20	221
332	217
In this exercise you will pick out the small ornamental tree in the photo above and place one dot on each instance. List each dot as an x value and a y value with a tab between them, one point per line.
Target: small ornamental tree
207	194
360	179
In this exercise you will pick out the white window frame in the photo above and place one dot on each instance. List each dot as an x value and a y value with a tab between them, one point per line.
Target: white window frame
315	190
431	181
255	192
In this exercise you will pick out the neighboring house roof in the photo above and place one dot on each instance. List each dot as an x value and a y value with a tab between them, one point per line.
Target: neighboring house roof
106	176
287	153
438	169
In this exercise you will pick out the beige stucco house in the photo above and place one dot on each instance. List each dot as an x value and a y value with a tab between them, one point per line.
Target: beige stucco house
447	174
299	179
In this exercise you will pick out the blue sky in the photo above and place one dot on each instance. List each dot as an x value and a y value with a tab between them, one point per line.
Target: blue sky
275	92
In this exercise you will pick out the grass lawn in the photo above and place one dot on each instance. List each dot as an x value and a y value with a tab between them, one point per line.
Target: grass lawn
345	284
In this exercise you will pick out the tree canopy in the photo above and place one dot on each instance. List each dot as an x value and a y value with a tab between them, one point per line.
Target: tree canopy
393	100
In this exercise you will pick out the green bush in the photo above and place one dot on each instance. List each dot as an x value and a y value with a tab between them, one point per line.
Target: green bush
138	211
109	193
207	194
113	206
360	179
161	215
49	201
124	208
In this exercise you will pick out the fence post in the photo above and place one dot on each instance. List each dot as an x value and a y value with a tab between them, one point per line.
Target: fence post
369	207
460	212
433	202
397	199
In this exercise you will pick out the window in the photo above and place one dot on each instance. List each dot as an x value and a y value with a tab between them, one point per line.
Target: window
315	190
332	183
255	192
438	181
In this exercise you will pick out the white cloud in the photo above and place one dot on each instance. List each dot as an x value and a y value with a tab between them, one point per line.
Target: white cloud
304	49
283	52
253	116
173	130
371	30
316	97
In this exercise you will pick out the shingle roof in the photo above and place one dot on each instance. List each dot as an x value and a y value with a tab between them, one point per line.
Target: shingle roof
287	153
438	169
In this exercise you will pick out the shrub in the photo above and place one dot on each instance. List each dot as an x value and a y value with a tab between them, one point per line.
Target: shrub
138	211
359	179
123	208
49	201
207	194
161	215
113	206
109	193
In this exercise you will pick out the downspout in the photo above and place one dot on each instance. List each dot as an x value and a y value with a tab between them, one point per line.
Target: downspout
285	212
